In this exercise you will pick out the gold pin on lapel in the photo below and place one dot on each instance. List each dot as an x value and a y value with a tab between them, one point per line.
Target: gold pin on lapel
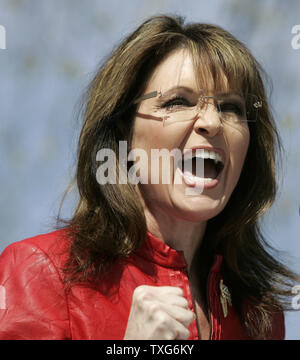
225	298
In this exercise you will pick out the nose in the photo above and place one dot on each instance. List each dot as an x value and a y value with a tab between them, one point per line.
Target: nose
208	121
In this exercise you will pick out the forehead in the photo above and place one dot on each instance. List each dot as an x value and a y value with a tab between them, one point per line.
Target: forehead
179	69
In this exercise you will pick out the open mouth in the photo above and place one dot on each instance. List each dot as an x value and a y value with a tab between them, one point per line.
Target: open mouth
201	165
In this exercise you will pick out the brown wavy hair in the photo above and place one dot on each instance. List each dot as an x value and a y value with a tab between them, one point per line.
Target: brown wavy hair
109	221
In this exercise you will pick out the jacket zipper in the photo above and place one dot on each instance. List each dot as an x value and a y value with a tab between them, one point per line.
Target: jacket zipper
193	300
208	304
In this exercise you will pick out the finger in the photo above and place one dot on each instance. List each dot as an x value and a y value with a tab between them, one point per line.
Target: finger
168	290
166	327
173	300
171	295
182	332
146	292
179	331
182	315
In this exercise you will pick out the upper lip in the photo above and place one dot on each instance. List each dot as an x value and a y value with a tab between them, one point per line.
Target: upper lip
220	151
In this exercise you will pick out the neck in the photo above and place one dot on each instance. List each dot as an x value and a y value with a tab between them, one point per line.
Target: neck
177	233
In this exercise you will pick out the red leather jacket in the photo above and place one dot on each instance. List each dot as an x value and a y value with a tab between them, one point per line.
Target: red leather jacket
35	305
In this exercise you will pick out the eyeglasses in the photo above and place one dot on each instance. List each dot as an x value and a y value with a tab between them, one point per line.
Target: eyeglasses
233	108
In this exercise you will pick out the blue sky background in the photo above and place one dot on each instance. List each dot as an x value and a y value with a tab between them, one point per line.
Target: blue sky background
54	48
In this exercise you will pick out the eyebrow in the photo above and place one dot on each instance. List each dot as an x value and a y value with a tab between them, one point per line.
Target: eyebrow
184	88
192	91
167	92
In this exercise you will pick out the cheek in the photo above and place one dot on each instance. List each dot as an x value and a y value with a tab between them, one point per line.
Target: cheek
144	135
152	135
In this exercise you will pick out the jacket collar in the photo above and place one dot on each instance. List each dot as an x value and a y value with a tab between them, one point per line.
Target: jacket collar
155	250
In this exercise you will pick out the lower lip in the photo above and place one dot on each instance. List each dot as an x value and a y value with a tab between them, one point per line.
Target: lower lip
191	182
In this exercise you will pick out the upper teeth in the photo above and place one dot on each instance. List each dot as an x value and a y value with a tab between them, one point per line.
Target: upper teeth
203	154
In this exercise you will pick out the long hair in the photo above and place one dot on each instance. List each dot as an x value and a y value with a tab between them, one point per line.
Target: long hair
109	222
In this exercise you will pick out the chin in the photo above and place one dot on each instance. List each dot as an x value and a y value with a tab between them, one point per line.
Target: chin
197	209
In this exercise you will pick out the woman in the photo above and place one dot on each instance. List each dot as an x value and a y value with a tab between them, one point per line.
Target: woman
178	259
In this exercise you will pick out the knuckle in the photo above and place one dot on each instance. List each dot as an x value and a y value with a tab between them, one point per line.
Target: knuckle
162	320
170	335
191	316
185	334
153	308
141	293
185	303
180	291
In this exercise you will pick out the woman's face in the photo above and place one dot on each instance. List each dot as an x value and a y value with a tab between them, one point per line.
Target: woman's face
208	131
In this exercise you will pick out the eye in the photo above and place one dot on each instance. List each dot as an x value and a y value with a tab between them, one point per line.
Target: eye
176	102
232	107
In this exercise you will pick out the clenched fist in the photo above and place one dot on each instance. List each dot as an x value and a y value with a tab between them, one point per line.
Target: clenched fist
158	313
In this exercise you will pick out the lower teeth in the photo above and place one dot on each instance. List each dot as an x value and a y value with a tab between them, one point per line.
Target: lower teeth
205	179
198	178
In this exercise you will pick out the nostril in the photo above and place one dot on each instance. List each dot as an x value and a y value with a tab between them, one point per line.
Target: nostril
209	130
202	130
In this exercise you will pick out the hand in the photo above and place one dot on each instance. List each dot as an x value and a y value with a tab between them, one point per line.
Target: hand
158	313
